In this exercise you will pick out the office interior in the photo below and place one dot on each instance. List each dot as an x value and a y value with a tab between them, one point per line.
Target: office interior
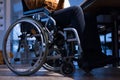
108	18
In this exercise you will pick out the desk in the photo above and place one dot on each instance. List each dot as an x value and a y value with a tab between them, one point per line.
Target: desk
96	5
102	7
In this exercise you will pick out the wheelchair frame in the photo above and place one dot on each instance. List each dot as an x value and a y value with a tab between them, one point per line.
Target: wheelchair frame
41	20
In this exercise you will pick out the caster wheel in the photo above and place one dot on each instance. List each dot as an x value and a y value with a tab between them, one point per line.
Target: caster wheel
67	68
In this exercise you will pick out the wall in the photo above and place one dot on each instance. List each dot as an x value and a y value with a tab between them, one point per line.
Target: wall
7	21
16	10
13	10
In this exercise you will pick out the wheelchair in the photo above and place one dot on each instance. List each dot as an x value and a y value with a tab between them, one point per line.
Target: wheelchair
35	41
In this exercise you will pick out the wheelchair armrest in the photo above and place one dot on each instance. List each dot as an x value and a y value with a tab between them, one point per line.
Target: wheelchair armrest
36	11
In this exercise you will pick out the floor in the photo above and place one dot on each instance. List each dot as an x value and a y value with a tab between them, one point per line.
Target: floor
97	74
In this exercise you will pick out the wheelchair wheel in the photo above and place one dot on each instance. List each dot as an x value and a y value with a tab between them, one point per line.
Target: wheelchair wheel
25	46
54	60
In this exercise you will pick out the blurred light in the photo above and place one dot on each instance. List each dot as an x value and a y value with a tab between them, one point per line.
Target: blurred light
75	2
17	7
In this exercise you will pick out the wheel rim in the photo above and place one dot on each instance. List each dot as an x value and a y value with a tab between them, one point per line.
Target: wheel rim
19	47
54	63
